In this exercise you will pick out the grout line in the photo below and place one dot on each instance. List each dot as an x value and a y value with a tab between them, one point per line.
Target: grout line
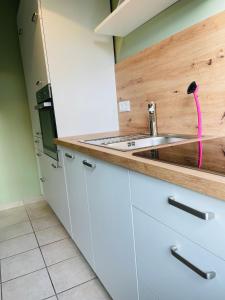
78	285
43	258
38	218
17	237
53	242
24	275
37	247
19	253
72	257
20	235
56	225
13	224
50	226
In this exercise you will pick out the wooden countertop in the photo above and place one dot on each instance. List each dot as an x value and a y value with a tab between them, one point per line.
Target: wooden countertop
199	181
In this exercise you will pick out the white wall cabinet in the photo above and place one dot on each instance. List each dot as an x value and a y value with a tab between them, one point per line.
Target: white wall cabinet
131	14
78	202
55	188
111	224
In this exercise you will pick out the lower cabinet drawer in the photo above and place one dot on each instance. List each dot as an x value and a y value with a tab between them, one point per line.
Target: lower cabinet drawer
185	212
178	275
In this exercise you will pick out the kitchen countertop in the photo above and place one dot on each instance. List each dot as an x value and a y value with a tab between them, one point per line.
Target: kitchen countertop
199	181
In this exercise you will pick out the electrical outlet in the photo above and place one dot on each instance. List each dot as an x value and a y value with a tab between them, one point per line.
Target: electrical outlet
124	106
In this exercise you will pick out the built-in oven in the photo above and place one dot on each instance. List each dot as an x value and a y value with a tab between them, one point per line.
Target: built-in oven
45	108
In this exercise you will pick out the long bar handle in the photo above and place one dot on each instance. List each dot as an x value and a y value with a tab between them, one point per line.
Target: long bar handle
70	156
190	210
206	275
88	164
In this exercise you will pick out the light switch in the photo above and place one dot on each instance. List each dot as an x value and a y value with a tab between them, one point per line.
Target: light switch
124	106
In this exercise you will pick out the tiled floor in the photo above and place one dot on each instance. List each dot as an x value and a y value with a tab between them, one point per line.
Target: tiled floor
38	260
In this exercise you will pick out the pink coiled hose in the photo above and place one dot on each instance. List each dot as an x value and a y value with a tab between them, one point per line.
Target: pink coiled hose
194	88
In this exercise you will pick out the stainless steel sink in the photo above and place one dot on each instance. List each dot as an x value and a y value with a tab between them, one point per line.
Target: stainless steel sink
128	143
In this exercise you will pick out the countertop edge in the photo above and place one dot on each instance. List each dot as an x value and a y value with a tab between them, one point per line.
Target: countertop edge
198	181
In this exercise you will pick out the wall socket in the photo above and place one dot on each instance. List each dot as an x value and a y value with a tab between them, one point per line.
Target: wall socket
124	105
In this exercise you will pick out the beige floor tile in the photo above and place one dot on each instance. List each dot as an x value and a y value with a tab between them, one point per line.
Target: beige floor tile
21	264
13	216
17	245
12	211
15	230
33	286
70	273
59	251
45	222
50	235
92	290
37	204
37	212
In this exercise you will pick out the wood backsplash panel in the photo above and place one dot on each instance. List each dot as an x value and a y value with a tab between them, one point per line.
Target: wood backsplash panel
162	74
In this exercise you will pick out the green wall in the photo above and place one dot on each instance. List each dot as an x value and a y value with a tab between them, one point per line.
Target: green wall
18	171
177	17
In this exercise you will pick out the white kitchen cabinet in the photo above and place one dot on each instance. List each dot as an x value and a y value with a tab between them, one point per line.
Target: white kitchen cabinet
78	202
54	187
33	54
187	216
81	66
162	275
111	225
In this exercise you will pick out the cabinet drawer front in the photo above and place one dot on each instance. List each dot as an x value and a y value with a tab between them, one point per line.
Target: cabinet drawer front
198	217
162	274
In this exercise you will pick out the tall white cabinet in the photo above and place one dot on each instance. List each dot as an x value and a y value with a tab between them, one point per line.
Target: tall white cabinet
59	46
81	65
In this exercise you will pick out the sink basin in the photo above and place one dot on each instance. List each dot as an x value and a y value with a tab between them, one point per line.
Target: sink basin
128	143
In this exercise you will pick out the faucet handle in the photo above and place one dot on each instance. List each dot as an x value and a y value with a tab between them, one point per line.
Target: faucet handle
151	107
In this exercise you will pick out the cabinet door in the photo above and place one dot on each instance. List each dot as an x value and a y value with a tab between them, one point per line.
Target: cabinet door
79	208
33	53
111	224
54	186
162	274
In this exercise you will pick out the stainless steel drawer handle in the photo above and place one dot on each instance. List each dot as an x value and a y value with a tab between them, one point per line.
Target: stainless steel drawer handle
205	275
69	156
190	210
88	164
54	166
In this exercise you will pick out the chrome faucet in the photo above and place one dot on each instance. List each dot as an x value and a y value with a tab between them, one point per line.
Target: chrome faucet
152	119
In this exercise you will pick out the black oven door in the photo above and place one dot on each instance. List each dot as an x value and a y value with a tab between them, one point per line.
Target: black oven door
48	128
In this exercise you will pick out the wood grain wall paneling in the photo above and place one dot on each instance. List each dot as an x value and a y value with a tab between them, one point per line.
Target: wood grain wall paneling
162	74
